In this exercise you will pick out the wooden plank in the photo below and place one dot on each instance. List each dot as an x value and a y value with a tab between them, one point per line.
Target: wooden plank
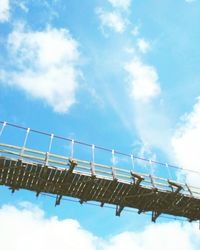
110	192
88	189
58	181
17	174
100	188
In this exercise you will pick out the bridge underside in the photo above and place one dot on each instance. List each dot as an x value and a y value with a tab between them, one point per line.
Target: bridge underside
18	174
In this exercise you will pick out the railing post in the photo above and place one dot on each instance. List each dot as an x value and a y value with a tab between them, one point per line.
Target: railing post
132	162
24	145
72	148
151	169
2	128
50	144
47	153
113	164
92	163
169	173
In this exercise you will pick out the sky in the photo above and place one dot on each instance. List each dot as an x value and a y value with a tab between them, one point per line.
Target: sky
122	74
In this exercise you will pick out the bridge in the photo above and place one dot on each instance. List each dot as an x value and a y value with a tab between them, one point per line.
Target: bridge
30	168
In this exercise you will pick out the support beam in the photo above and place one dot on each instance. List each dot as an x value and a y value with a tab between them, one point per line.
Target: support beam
141	211
13	189
37	194
137	179
119	209
153	184
189	190
175	186
72	165
102	204
155	215
58	199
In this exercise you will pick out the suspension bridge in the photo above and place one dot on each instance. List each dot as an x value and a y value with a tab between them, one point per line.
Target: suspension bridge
61	174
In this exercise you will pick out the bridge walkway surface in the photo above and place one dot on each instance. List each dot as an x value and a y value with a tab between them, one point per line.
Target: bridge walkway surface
43	172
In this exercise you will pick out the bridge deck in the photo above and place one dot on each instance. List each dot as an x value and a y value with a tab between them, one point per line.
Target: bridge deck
81	182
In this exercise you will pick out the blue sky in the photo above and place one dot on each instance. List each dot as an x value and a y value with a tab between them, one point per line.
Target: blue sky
116	73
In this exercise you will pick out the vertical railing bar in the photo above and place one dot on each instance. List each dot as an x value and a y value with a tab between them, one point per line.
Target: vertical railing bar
169	172
72	148
50	144
49	150
113	164
132	162
2	128
92	163
24	144
151	169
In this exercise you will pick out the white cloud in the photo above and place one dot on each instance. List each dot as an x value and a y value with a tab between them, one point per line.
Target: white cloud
129	50
190	1
46	65
112	20
186	143
122	4
23	6
26	227
148	114
4	10
157	236
153	126
143	80
135	31
143	45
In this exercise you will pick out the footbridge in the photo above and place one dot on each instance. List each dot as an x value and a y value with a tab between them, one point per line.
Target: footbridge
76	169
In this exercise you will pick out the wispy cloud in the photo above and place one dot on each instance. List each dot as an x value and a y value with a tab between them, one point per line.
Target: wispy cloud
143	45
122	4
135	31
190	1
143	98
153	126
45	65
112	20
115	20
186	143
149	117
4	10
22	5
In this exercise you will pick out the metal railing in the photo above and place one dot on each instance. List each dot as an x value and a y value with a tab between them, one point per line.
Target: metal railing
92	168
109	170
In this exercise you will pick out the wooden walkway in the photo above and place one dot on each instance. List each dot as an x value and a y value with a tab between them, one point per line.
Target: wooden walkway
41	172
